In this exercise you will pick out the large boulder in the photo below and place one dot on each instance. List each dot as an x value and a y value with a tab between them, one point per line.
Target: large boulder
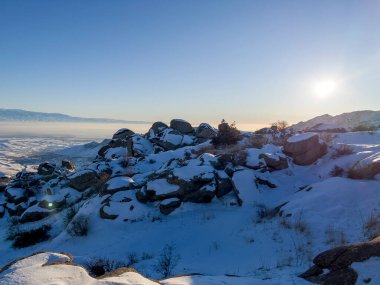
274	161
338	261
83	179
35	213
181	126
205	132
117	184
123	134
305	148
158	127
366	168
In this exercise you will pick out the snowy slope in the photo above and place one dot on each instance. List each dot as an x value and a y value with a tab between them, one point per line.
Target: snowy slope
345	120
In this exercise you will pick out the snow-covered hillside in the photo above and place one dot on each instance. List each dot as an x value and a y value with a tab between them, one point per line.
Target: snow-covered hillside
346	121
16	153
241	214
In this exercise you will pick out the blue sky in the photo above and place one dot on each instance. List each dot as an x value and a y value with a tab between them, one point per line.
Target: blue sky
245	61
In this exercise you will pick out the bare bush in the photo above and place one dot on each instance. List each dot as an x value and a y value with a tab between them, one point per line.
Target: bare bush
335	237
99	266
167	260
78	226
279	125
30	237
132	258
371	226
342	150
337	171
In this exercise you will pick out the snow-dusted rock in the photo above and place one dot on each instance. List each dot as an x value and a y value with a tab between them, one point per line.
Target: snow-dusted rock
46	168
169	205
34	213
117	184
57	268
338	261
275	161
83	179
205	132
157	127
366	168
123	134
304	148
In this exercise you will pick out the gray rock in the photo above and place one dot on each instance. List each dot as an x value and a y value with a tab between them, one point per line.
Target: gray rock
46	168
273	163
169	205
104	215
181	126
83	179
123	134
205	132
158	126
306	151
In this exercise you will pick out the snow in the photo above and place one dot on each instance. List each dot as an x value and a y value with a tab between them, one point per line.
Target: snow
119	183
270	150
161	186
189	172
345	120
368	270
41	269
301	137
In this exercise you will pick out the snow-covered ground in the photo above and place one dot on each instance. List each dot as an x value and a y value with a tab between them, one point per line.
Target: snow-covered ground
221	238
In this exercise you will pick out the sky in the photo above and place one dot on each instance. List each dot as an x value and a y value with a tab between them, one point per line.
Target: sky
253	62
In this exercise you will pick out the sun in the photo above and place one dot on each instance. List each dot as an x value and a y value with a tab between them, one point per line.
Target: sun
324	88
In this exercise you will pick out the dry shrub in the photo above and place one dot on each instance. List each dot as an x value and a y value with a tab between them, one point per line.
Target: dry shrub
337	171
342	150
335	237
371	226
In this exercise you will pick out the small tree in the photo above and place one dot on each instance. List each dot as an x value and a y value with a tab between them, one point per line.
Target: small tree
227	134
167	261
280	126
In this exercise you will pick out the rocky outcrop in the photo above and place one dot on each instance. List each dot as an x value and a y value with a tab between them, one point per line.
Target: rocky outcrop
305	148
338	261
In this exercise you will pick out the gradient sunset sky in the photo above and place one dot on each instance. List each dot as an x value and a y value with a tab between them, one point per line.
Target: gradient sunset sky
253	62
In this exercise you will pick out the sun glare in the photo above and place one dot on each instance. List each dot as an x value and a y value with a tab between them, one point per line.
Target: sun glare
324	88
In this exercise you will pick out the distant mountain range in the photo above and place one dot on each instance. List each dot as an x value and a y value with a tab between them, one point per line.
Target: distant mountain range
16	115
345	120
